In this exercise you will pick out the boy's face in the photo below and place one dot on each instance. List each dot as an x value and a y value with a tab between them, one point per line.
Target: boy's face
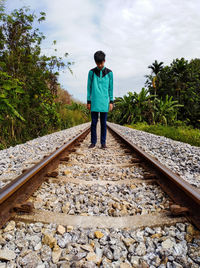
100	65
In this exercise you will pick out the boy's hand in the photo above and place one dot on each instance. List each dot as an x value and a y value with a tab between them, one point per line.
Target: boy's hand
110	106
89	106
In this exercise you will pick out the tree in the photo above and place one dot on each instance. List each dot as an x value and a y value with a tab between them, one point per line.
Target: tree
156	68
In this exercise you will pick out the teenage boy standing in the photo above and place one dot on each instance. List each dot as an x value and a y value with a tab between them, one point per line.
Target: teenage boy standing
99	96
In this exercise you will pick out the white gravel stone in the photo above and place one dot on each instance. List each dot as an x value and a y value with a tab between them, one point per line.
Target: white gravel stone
180	157
14	160
6	254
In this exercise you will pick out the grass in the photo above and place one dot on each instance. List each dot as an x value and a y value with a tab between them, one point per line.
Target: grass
185	134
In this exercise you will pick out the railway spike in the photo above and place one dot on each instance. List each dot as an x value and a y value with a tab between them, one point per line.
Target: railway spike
23	208
66	158
177	210
53	174
150	176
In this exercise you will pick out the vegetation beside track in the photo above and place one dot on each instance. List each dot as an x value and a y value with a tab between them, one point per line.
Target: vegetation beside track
32	102
186	134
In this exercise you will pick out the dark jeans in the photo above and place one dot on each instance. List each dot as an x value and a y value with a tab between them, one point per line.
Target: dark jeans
103	119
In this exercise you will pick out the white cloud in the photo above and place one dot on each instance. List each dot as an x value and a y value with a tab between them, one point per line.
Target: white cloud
132	33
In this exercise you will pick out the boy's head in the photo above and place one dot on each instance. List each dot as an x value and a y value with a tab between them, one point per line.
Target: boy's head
99	58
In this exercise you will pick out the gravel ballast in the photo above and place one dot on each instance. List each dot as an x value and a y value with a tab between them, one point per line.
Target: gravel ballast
180	157
51	245
85	216
14	160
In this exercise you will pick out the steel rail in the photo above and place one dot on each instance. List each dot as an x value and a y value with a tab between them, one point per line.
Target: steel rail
179	190
19	189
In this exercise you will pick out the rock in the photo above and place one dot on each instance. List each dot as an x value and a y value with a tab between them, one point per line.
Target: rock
69	228
7	255
66	172
87	248
41	265
149	230
99	253
92	257
167	244
177	265
38	203
64	240
125	265
144	211
128	241
143	264
10	226
139	236
131	248
135	261
21	243
66	208
45	253
108	253
140	249
38	246
56	254
30	260
157	261
2	240
116	253
49	240
194	254
98	234
180	249
188	238
190	230
181	226
158	235
79	256
133	186
61	229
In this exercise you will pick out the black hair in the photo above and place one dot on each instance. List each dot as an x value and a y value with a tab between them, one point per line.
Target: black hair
99	56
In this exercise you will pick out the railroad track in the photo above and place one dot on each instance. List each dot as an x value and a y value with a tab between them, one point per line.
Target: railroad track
94	207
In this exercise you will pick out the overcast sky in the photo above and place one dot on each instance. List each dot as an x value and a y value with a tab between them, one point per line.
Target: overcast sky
132	33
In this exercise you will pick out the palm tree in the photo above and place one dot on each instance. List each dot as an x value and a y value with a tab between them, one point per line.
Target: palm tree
156	68
180	75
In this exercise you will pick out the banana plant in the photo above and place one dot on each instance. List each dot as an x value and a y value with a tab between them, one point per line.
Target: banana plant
166	110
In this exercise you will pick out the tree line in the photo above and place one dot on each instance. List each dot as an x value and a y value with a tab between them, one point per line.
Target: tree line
32	103
170	96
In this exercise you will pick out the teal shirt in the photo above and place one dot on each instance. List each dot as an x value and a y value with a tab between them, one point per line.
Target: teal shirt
100	89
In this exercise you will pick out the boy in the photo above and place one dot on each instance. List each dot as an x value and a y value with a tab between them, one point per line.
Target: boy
99	96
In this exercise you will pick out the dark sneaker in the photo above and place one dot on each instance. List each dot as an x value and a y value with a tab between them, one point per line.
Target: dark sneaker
91	145
103	146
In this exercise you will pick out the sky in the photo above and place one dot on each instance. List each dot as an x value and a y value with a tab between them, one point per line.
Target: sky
132	34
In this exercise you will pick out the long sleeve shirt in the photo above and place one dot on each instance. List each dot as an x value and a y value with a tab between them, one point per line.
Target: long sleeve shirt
100	89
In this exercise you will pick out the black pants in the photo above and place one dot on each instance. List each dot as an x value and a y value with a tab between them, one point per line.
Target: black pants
103	119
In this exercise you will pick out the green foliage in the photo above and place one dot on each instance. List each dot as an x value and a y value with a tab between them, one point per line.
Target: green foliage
143	107
181	80
10	90
166	110
182	133
29	82
171	96
132	108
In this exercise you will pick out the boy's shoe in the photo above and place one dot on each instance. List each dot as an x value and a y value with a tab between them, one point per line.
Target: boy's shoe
103	146
91	145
